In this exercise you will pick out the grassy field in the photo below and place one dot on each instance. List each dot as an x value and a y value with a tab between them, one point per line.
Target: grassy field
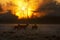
43	32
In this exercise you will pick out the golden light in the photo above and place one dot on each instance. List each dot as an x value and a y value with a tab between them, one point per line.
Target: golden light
22	8
58	1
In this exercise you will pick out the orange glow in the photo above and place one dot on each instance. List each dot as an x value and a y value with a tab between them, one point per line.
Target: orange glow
22	8
25	8
58	1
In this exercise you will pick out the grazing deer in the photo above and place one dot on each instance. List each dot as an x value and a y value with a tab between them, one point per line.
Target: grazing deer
34	27
20	26
17	27
23	26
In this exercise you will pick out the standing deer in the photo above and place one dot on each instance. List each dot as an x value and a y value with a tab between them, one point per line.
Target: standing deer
20	26
34	27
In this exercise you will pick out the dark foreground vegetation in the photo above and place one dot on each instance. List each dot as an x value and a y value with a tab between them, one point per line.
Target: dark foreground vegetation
27	36
21	32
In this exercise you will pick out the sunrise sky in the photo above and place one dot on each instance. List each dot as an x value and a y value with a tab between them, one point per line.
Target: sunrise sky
22	8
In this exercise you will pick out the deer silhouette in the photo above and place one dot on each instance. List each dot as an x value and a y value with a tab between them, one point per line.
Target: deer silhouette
20	26
34	27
